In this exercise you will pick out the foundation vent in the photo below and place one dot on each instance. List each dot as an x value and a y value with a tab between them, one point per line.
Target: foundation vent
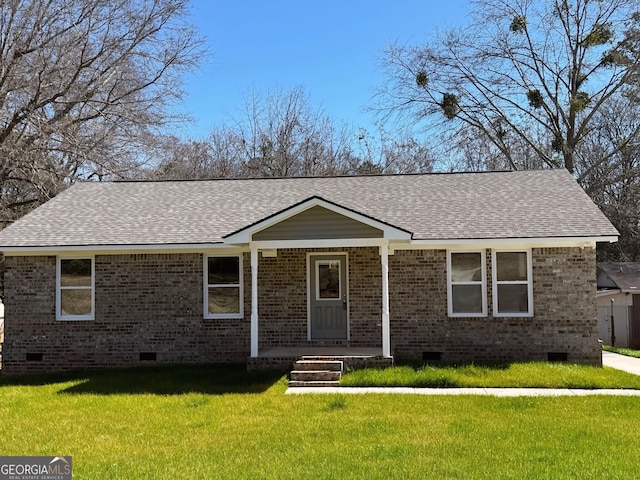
557	356
431	356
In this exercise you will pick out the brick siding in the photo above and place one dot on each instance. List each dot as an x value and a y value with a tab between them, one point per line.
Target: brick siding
153	303
282	289
143	303
564	302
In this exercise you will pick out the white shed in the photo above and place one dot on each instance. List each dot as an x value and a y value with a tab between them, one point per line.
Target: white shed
619	297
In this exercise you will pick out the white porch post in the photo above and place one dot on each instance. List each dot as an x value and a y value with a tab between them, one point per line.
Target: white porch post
254	301
386	337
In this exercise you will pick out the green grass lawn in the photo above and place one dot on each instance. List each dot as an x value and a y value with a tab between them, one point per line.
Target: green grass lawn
630	352
524	375
222	423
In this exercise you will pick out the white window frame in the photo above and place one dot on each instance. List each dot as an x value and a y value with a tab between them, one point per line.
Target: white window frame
528	282
206	286
450	284
59	288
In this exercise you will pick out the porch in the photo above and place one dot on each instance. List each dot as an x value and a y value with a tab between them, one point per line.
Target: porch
284	357
300	261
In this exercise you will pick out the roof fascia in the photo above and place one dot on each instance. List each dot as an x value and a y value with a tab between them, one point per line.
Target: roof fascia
454	243
117	249
401	244
608	292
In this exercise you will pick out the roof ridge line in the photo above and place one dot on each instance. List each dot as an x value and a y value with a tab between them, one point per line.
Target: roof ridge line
373	175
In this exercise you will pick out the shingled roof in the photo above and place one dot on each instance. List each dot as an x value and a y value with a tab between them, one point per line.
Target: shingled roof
624	275
446	206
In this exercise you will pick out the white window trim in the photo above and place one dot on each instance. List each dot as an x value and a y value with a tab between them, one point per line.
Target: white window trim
59	288
495	283
206	286
483	261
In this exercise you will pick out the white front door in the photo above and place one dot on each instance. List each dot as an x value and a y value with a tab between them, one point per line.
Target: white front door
328	297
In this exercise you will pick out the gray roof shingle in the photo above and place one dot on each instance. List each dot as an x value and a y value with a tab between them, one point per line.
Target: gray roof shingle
490	205
626	275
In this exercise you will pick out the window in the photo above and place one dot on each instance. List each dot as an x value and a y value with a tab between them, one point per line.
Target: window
466	284
328	280
74	293
223	287
512	286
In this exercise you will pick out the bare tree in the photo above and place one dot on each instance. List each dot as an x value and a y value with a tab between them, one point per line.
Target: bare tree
83	85
283	135
279	134
609	170
524	74
387	152
216	156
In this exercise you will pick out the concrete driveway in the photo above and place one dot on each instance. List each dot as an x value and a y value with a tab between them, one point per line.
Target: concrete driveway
621	362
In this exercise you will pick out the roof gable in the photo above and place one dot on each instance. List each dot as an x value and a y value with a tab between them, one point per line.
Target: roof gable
316	218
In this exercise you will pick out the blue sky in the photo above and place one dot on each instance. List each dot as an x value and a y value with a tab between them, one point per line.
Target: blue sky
329	47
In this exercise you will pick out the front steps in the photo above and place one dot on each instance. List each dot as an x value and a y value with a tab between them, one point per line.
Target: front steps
316	372
326	370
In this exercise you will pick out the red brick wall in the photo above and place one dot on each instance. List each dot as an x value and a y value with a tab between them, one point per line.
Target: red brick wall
153	303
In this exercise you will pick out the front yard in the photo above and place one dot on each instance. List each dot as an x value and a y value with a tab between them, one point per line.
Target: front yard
211	422
514	375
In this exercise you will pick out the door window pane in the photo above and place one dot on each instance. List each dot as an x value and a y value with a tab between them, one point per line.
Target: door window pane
328	279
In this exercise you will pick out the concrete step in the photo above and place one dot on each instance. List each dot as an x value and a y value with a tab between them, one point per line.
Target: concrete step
319	383
317	372
333	365
315	375
354	361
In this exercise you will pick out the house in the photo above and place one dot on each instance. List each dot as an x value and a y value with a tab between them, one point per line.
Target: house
456	267
619	297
